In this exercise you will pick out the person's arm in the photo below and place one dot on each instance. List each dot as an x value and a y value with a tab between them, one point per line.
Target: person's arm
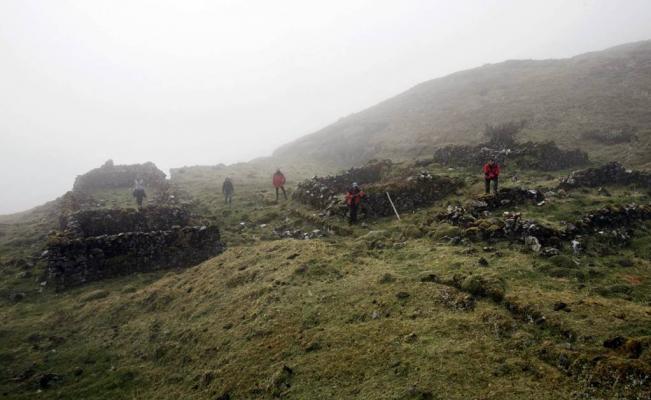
497	170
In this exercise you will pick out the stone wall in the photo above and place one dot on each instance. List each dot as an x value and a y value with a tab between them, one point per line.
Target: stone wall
529	155
95	222
99	244
612	173
409	195
110	176
327	194
74	261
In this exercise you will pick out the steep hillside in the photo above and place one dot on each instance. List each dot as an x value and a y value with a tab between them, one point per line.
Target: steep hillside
590	95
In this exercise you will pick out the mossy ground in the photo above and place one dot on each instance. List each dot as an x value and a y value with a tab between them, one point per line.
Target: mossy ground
349	317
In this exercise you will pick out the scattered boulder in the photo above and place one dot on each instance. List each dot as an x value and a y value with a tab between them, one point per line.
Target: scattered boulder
456	300
280	382
481	286
402	295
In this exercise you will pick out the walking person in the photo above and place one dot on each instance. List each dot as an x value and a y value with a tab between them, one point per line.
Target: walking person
279	183
354	198
139	192
491	173
228	190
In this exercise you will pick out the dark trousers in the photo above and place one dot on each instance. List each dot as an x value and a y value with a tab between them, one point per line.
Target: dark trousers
487	183
228	198
284	194
139	200
352	218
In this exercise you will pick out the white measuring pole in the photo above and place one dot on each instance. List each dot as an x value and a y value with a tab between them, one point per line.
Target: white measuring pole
394	207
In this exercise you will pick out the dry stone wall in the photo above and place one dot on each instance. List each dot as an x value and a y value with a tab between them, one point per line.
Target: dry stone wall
110	176
99	244
612	173
408	194
544	156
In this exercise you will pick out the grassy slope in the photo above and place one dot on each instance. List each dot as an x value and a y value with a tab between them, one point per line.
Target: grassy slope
326	308
561	99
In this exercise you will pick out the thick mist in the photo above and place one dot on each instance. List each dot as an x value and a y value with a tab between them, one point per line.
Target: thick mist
207	82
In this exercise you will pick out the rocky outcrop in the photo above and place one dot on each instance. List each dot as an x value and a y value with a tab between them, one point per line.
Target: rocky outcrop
99	244
612	173
544	156
110	176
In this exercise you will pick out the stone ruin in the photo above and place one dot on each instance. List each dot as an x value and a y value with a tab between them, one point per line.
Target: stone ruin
612	223
545	156
327	193
98	244
612	173
110	176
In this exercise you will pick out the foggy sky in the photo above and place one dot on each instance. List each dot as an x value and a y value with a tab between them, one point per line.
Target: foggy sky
206	82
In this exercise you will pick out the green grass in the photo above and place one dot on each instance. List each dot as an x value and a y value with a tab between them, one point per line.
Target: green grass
350	318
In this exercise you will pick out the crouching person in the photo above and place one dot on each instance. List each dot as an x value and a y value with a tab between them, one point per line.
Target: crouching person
354	198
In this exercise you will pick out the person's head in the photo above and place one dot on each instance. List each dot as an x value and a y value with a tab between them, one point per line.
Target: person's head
491	161
355	185
278	171
228	179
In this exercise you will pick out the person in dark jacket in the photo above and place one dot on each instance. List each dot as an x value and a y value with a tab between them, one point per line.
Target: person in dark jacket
228	190
279	183
354	198
491	173
139	192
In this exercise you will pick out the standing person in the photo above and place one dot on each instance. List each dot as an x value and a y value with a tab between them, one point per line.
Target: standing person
353	199
491	173
228	190
139	192
279	183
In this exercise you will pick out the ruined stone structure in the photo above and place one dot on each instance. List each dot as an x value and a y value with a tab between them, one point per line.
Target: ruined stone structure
529	155
613	224
612	173
110	176
98	244
407	194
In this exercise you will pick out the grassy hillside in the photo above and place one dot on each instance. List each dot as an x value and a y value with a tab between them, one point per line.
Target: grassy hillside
338	317
562	100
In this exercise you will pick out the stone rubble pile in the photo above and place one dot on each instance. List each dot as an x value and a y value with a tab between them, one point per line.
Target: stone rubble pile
110	176
544	156
613	222
612	173
505	197
95	246
298	234
609	217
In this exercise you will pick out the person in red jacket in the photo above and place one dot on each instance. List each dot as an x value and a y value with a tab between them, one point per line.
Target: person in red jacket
354	197
491	173
279	183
